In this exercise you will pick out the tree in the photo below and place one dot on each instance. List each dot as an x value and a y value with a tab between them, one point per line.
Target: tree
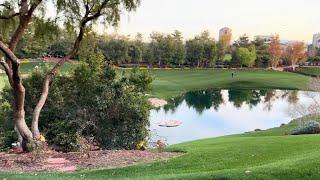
180	52
194	49
139	48
295	53
209	49
243	41
275	51
221	52
135	53
262	53
201	50
246	56
116	50
162	48
78	14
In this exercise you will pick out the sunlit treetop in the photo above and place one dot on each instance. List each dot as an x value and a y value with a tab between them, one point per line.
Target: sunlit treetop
103	11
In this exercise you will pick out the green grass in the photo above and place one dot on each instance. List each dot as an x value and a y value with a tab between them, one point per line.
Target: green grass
27	68
267	154
169	83
3	81
310	71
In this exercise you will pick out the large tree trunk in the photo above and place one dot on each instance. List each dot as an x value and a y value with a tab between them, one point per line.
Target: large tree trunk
24	132
48	80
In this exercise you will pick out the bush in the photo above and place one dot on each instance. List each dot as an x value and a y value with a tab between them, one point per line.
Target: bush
91	102
311	127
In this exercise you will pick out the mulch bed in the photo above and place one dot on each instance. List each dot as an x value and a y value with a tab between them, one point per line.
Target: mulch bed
69	162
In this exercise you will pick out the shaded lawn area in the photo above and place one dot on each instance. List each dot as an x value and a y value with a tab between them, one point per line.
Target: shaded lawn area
258	155
169	83
310	71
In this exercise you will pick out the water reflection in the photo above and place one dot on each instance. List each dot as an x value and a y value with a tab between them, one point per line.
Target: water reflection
212	112
207	99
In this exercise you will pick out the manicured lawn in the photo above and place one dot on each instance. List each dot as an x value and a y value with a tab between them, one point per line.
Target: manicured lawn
259	155
27	68
310	71
169	83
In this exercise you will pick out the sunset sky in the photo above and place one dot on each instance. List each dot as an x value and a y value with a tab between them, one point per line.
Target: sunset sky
291	19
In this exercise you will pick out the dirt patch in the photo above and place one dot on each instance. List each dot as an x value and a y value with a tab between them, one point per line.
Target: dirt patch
69	162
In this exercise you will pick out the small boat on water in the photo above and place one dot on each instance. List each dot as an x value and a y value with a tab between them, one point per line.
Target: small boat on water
170	123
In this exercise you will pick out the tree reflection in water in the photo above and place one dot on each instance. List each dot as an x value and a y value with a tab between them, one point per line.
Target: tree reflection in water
207	99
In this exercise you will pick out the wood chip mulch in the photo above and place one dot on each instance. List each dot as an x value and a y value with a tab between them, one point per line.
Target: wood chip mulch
69	162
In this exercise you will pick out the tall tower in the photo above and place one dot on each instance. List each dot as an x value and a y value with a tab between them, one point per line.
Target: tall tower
316	40
225	35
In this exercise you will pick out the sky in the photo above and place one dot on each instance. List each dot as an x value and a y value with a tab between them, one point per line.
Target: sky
291	19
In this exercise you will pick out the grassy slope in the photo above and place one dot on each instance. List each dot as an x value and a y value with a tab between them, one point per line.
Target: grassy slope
27	68
168	83
267	155
310	71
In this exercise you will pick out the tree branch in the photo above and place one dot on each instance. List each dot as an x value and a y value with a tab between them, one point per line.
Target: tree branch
9	16
33	7
7	70
55	69
5	6
8	53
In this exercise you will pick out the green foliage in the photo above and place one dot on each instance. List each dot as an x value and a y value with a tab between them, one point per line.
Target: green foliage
116	50
311	127
243	42
263	59
36	40
6	140
162	48
91	102
246	56
135	53
109	11
60	48
141	80
179	54
201	51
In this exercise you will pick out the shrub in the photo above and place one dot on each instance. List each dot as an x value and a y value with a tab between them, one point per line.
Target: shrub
91	102
311	127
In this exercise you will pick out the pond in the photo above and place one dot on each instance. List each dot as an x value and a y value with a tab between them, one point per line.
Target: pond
212	113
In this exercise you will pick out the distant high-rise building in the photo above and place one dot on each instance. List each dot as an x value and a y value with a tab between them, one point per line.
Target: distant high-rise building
225	35
316	40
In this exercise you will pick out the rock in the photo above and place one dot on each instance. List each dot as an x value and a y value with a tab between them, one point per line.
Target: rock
170	123
155	102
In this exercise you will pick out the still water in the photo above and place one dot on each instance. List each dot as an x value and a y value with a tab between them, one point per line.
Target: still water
213	113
